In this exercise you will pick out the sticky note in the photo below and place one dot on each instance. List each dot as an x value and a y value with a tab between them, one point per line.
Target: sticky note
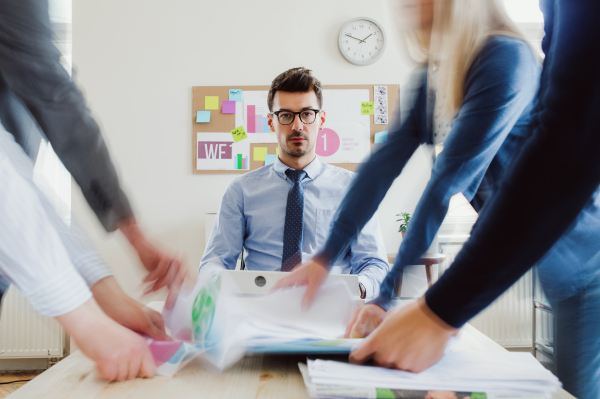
239	134
277	150
202	116
366	108
381	137
259	153
235	95
211	102
270	159
228	107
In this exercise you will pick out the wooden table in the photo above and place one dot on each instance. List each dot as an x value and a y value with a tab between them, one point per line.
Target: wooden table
259	377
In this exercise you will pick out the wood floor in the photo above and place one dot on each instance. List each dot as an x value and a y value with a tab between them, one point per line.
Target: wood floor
7	387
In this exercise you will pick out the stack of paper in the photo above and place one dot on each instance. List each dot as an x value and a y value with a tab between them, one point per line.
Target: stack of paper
456	371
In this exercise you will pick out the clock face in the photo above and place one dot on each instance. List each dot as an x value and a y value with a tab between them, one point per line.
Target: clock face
362	41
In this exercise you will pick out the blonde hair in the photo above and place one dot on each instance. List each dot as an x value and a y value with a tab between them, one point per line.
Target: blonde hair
460	28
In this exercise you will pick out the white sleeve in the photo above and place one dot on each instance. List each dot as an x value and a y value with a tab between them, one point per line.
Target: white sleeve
32	253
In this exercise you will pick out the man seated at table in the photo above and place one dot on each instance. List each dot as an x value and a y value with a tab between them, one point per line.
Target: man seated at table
280	214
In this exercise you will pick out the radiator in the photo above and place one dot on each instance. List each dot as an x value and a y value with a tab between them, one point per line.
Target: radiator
23	332
26	334
508	320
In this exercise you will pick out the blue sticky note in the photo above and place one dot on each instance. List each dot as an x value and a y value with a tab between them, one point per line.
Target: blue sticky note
202	116
381	137
266	128
235	95
270	158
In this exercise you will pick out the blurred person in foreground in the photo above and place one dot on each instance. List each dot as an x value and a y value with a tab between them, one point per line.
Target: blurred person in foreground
474	96
551	189
38	98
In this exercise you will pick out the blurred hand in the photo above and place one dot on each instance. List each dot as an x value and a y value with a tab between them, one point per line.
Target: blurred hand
119	353
165	270
412	338
126	311
364	320
311	274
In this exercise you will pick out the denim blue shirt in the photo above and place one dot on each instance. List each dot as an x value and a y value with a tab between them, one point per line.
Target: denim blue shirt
252	217
491	125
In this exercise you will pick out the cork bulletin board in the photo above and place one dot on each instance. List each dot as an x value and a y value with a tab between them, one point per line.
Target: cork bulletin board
225	122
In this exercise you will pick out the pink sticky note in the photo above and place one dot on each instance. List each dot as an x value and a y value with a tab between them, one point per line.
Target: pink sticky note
228	107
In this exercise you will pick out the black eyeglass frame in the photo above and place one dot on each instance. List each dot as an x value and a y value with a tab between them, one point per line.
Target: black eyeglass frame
276	113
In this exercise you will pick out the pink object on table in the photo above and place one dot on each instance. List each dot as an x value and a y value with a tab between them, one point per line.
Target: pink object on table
162	351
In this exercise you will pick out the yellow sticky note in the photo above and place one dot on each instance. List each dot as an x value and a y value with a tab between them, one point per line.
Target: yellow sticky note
259	153
277	151
366	108
211	102
239	134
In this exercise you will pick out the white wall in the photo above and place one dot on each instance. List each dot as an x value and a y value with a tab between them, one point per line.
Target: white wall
137	60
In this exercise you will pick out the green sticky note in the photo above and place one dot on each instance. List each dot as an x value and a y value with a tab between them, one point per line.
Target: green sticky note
259	153
366	108
211	102
239	134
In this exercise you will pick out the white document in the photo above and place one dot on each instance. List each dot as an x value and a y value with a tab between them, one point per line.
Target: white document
279	314
457	371
346	134
257	100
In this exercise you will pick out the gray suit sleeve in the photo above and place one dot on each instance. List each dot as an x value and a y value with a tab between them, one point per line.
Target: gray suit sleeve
30	69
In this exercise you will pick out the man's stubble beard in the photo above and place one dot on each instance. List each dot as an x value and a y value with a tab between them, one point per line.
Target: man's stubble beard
298	153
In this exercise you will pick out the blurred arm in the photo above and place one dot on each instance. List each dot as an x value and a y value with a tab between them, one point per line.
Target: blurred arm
30	67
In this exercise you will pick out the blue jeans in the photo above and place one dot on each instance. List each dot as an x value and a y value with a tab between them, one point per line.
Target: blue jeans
577	341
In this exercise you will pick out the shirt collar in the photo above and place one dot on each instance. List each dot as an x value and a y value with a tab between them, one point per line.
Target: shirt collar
313	169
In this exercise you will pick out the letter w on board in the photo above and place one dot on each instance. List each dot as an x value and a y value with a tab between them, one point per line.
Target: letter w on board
215	150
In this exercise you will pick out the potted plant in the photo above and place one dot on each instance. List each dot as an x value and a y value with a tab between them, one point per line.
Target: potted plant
405	220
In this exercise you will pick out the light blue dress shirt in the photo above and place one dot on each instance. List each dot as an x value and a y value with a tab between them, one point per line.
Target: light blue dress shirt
252	217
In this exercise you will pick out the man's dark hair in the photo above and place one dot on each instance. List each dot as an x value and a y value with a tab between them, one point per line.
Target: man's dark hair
296	80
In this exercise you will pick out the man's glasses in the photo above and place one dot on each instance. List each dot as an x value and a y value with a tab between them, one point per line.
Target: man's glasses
306	116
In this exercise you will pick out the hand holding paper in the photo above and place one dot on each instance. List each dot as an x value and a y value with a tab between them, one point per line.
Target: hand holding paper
364	320
412	338
311	274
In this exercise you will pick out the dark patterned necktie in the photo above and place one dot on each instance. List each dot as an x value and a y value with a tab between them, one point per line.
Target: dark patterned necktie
294	221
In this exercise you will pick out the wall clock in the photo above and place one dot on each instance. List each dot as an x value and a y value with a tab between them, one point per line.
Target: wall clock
362	41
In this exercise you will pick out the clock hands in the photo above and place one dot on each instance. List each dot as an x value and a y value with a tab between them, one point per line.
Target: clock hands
362	41
353	37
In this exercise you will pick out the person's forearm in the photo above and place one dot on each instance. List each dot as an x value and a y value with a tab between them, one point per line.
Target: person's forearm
131	230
